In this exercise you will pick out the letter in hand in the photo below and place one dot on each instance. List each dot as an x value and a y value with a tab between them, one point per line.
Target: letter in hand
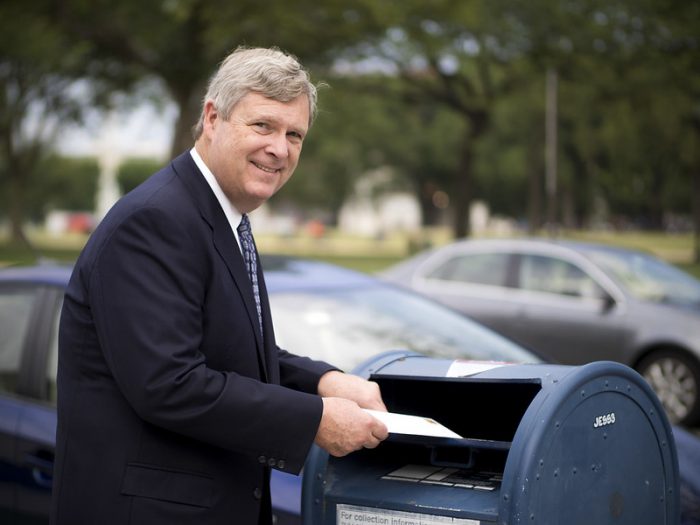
345	427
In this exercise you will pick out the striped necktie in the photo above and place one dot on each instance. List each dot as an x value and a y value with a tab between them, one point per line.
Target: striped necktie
245	235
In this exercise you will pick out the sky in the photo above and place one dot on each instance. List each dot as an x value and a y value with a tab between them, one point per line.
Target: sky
141	131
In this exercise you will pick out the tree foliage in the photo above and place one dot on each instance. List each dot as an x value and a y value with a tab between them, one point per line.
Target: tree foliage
134	171
449	94
63	183
181	42
37	67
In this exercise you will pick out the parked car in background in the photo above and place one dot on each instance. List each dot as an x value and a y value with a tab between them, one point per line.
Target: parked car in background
319	310
573	303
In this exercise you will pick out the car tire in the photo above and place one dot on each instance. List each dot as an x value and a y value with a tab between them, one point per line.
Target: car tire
675	377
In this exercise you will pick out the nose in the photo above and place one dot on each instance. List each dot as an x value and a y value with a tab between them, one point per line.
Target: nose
278	146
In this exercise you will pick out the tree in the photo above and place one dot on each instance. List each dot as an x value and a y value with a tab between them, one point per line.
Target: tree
628	85
181	42
462	56
470	57
134	171
360	128
65	183
37	69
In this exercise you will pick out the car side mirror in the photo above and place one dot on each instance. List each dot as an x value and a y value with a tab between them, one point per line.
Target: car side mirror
608	302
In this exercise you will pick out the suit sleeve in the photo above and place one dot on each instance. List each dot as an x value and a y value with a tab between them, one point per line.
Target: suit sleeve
146	290
301	373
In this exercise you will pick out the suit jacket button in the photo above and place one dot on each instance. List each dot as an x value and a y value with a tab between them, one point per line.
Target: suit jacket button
280	464
271	462
257	493
262	460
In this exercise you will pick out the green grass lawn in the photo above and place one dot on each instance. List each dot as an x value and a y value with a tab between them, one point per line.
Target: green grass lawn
363	254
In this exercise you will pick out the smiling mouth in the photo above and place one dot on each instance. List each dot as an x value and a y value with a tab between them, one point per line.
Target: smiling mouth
265	168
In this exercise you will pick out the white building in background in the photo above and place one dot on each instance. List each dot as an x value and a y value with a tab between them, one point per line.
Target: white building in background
372	213
112	138
388	213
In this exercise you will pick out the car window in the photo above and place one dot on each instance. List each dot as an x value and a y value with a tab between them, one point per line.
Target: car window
548	274
648	278
15	312
478	268
345	327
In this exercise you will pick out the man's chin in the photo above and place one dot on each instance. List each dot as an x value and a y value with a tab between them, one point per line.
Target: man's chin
258	198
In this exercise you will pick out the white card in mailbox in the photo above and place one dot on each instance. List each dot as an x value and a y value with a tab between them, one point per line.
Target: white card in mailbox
413	425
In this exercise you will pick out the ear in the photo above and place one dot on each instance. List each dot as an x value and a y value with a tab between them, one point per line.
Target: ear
211	116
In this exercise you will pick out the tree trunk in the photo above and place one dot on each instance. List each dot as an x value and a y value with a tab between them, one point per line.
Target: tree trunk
534	201
463	191
656	207
462	194
535	171
695	201
189	106
16	203
696	214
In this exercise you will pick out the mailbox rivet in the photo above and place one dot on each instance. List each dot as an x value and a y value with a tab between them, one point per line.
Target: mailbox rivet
557	424
574	471
583	393
605	435
556	473
541	462
532	517
505	497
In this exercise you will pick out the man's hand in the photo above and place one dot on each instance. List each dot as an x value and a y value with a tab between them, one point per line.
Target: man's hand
365	393
345	427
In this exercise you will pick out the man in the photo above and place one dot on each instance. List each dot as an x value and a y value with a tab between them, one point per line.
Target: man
174	400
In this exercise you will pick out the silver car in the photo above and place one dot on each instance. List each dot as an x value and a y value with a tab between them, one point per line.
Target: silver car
573	303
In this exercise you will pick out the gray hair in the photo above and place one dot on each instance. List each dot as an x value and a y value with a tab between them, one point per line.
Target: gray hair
268	71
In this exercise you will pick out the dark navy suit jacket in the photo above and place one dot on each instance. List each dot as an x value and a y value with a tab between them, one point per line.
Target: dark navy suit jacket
171	406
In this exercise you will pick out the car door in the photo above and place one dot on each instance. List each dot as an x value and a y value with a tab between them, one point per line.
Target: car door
28	322
563	313
476	283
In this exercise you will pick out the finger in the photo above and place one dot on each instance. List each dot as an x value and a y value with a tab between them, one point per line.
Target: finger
373	442
379	405
379	430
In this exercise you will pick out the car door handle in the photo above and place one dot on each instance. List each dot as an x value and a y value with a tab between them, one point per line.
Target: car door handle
42	468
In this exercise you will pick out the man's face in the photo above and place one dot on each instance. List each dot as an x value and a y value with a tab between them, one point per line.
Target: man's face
254	153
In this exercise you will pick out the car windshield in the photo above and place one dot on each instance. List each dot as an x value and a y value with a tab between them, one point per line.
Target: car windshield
648	278
345	327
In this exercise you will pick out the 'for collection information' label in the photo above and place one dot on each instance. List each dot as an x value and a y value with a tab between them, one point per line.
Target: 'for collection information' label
352	515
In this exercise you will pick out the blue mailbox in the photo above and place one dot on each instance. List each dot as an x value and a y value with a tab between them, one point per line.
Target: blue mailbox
540	444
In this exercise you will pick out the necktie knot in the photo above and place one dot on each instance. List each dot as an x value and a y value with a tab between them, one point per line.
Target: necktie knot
244	225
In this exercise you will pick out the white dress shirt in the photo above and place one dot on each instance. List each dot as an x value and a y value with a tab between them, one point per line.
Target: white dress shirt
232	214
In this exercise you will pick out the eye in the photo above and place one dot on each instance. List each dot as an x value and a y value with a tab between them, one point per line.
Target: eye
295	136
261	126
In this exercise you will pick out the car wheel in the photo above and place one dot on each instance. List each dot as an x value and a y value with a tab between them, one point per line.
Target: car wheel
675	377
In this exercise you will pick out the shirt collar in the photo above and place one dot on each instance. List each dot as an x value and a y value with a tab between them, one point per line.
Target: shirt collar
232	214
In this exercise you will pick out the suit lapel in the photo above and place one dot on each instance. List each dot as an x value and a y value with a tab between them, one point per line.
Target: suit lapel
224	243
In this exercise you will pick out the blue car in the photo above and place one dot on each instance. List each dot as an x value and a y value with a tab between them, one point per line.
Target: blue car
324	311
